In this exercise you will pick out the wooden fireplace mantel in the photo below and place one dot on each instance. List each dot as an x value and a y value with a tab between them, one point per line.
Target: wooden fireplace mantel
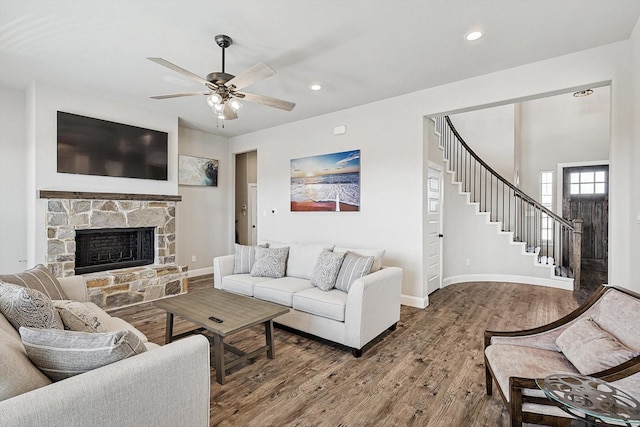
52	194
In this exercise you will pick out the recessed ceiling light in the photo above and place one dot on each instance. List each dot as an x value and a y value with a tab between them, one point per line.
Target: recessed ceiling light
475	35
315	87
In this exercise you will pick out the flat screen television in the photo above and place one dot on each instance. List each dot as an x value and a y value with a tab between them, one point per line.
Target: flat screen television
91	146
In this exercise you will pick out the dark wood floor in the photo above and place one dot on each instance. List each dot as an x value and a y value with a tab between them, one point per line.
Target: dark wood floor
428	372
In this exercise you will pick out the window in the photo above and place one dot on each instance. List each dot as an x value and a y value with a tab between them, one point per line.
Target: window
591	182
546	199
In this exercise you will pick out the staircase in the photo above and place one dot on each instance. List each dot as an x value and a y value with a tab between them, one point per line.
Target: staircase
553	242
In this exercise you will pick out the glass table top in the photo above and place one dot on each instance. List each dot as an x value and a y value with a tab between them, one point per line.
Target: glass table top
591	397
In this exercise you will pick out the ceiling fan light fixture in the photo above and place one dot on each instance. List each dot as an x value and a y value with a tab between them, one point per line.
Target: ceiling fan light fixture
235	104
218	108
213	99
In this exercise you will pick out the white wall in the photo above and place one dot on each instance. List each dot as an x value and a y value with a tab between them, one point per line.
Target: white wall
562	129
635	156
42	103
13	203
390	135
490	134
202	226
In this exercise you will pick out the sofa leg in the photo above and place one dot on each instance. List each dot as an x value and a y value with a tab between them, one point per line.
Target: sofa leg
393	327
357	352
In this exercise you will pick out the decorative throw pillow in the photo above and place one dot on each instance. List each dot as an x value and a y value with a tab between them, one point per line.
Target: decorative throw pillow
244	258
270	262
326	270
27	307
78	317
38	278
63	354
591	349
353	267
378	255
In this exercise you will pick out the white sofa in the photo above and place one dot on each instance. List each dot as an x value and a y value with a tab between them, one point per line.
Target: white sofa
353	318
166	385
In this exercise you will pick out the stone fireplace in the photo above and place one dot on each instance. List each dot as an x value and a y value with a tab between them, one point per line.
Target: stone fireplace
71	215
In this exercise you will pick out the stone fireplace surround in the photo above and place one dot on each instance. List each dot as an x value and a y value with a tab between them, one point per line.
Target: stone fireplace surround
70	211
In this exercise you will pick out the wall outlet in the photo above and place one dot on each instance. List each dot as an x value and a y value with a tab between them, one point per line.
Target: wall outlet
193	258
468	262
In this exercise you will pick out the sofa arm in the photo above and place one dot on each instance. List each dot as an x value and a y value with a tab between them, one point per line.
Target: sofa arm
166	386
373	305
75	287
222	266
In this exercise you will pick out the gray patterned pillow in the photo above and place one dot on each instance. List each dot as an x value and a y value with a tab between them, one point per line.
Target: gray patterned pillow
63	354
78	317
270	262
38	278
244	258
27	307
353	267
326	270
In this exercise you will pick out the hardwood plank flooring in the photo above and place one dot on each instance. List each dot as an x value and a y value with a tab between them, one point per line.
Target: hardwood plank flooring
428	372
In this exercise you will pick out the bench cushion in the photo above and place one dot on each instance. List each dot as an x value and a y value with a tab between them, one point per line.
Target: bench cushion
527	362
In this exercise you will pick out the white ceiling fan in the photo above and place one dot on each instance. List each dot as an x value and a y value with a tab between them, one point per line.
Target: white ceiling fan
224	89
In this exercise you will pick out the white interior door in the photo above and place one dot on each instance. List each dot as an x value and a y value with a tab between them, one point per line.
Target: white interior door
434	229
253	214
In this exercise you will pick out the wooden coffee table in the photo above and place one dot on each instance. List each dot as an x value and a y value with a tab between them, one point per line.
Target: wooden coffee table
222	313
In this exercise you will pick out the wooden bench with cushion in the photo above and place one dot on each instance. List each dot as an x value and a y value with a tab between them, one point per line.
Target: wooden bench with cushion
601	339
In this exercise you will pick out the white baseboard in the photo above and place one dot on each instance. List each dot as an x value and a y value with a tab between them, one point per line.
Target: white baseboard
412	301
200	272
559	282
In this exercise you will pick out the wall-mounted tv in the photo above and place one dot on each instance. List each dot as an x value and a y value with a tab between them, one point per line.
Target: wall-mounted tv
91	146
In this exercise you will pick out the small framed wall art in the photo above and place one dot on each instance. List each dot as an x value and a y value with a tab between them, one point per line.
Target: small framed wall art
197	171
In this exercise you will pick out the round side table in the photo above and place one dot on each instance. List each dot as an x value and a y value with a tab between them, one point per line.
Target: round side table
593	401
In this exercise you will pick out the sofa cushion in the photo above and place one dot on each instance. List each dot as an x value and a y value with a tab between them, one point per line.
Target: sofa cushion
281	290
244	258
315	301
62	354
302	259
378	255
270	262
17	372
38	278
591	349
326	270
508	360
353	267
27	307
78	317
241	283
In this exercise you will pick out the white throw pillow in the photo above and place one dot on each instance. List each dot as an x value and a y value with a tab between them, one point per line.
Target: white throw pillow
244	258
353	267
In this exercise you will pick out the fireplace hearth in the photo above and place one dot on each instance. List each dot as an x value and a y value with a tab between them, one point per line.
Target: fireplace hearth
113	248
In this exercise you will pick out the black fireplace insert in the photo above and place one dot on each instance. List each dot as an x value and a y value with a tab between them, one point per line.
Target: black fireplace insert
113	248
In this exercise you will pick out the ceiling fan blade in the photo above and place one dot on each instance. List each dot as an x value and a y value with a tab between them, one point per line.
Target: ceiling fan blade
267	100
177	95
228	112
180	70
258	72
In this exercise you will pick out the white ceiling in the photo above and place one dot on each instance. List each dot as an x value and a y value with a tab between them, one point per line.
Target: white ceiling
360	51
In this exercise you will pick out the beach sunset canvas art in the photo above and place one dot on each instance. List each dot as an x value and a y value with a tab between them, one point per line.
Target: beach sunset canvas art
328	182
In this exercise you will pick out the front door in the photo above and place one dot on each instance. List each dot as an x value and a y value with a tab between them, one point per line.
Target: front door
434	230
586	197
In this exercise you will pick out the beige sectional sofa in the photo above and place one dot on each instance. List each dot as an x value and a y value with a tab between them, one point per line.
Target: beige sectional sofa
352	318
166	385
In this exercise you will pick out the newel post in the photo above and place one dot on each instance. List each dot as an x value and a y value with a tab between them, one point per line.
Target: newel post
576	254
